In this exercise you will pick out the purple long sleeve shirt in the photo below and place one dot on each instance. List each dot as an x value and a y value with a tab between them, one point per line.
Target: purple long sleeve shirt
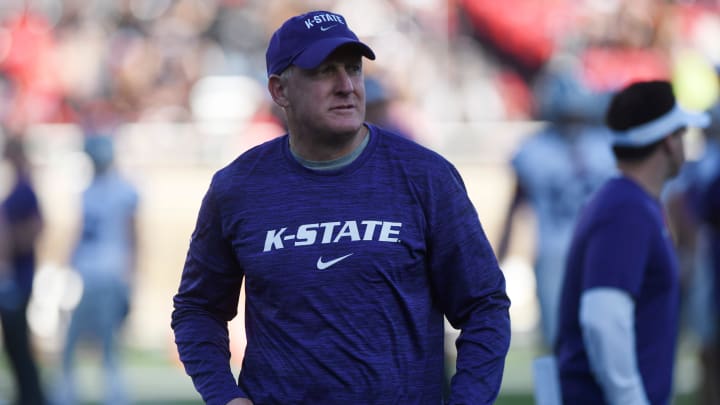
348	274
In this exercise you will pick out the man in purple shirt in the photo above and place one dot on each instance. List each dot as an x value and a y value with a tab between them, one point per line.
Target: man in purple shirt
22	220
620	301
352	243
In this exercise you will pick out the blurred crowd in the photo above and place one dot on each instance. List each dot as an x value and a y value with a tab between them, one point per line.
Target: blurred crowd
470	60
105	67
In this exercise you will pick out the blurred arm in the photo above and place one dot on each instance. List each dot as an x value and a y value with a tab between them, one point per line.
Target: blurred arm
518	198
206	301
470	289
607	321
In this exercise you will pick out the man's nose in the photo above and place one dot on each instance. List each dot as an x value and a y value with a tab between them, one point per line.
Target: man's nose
345	82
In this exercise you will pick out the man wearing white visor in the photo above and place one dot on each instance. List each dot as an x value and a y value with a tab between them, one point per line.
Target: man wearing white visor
620	302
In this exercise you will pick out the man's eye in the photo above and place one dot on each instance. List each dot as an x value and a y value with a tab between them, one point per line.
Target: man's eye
325	70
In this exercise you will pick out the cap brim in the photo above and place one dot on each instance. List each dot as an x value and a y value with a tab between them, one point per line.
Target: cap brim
316	53
698	120
660	127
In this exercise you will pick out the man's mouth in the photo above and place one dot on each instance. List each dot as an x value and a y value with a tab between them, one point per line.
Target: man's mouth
343	107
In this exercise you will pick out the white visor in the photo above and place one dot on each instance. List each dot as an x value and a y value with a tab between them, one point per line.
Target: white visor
660	127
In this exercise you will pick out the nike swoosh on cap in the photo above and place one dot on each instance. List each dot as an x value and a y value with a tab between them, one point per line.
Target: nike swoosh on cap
321	265
327	28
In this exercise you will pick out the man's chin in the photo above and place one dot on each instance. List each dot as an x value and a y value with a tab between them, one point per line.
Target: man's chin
340	135
346	129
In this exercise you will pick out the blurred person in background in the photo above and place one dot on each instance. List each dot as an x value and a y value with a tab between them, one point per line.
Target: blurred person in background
378	110
26	60
556	169
352	242
620	303
23	223
708	207
105	258
683	198
710	203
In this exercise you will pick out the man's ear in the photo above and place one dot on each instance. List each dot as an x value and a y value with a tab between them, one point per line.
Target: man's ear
278	89
667	145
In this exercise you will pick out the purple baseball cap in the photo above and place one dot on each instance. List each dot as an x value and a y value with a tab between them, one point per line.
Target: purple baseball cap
308	39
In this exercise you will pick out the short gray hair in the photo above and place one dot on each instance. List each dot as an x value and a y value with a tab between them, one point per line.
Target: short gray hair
285	74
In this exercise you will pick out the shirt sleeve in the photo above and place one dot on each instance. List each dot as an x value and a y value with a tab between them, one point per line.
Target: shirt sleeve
470	288
607	321
206	300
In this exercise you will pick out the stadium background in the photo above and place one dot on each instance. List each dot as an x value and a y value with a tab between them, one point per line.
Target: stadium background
182	83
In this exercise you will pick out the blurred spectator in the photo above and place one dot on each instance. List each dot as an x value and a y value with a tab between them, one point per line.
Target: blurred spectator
626	42
104	257
144	57
503	30
690	236
690	215
378	108
619	310
556	170
711	215
23	224
703	291
29	64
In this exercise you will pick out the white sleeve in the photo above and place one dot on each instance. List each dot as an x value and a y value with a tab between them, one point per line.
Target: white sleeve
607	321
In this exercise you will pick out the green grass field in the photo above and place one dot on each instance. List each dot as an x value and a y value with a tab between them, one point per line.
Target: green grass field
518	399
526	399
153	379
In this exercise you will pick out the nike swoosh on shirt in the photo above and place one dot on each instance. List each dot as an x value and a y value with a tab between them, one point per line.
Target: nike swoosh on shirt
327	28
321	265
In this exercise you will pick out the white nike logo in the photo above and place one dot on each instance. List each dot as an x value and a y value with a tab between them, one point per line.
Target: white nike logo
327	28
321	265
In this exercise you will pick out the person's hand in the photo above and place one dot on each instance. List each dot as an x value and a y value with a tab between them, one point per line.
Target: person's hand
240	401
